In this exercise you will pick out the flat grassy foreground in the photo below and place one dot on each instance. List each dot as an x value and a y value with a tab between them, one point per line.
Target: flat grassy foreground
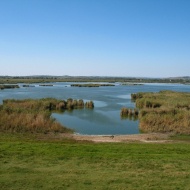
29	163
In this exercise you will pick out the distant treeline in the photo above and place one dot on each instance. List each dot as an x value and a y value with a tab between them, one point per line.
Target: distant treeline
35	115
46	79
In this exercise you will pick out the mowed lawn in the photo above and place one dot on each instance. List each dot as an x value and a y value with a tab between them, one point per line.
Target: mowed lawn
27	163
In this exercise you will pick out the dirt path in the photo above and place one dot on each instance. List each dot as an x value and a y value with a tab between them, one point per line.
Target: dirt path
146	138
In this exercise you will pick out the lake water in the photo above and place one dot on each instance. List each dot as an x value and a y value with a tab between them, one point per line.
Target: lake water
104	119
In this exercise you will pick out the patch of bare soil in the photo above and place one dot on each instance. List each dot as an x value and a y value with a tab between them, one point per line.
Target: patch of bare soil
145	138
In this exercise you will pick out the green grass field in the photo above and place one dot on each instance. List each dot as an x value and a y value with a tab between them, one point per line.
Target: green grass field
29	163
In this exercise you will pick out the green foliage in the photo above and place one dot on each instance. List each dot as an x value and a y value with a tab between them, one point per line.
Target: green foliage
166	111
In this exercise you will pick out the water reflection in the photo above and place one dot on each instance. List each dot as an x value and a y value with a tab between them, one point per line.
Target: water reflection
93	122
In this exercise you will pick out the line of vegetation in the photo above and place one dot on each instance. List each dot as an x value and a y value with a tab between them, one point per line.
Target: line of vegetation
2	87
91	85
35	115
166	111
27	86
46	85
46	79
132	84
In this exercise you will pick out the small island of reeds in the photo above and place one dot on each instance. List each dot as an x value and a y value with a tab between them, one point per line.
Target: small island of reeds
132	84
91	85
27	85
4	86
46	85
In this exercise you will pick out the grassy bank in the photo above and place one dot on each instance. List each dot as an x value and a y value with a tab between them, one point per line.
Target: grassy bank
28	163
166	111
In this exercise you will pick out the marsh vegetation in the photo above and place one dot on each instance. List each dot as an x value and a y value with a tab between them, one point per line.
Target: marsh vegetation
8	86
128	113
46	85
132	84
166	111
27	85
41	157
35	115
91	85
89	104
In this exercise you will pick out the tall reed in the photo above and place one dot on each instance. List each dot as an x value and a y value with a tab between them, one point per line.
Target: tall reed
166	111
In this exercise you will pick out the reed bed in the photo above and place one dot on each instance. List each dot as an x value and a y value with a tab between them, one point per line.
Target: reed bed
2	87
91	85
166	111
128	113
31	115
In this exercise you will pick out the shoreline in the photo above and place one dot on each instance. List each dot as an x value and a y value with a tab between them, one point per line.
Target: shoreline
146	138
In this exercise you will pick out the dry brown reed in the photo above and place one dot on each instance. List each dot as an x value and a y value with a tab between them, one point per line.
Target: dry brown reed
166	111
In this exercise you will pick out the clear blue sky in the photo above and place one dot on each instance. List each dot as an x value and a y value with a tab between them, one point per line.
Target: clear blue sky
142	38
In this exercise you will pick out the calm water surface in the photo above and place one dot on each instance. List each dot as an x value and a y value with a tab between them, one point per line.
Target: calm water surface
105	117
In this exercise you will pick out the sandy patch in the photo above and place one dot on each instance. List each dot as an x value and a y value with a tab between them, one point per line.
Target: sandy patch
146	138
